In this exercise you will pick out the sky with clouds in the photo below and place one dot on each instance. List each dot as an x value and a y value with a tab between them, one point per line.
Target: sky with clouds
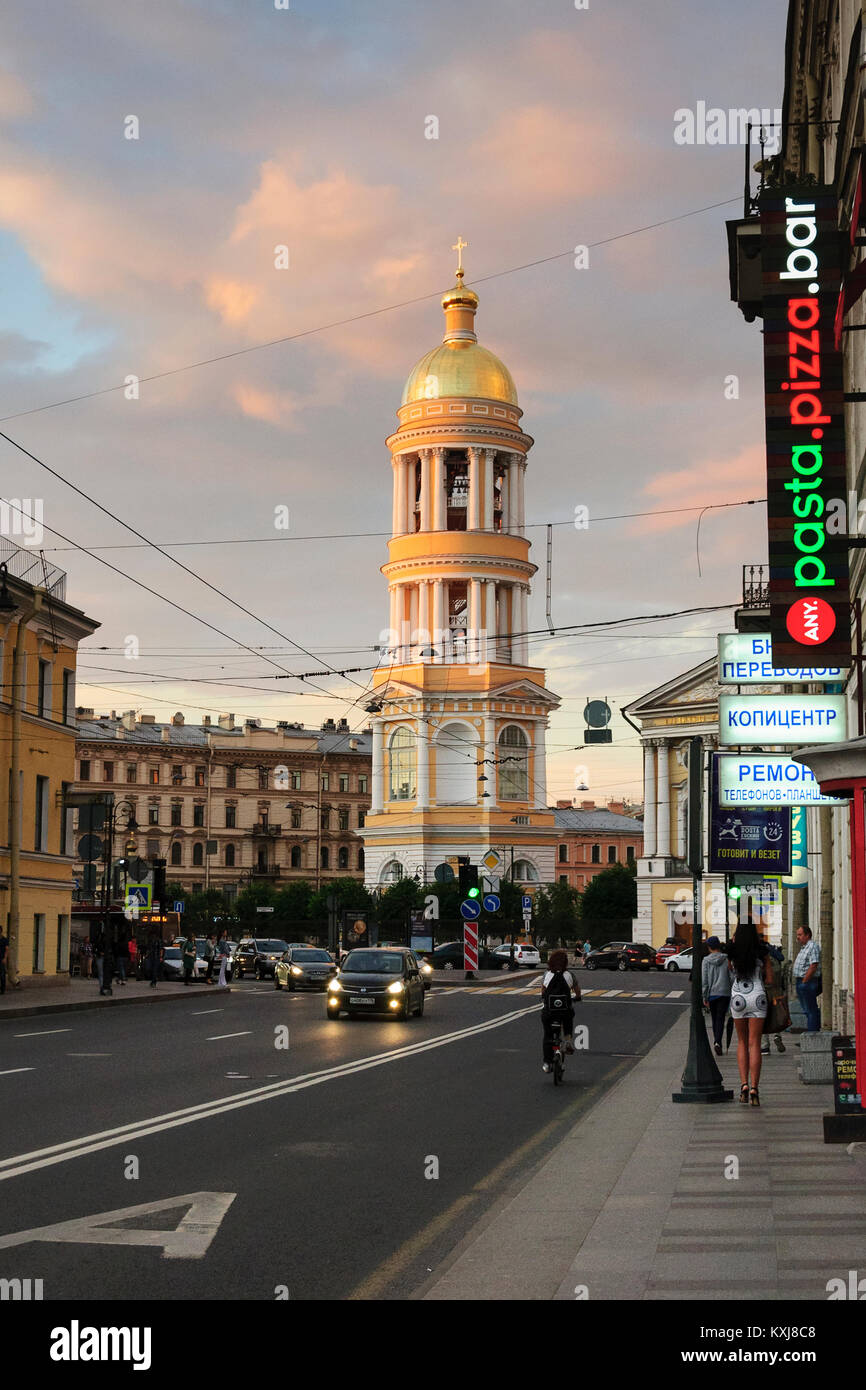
305	127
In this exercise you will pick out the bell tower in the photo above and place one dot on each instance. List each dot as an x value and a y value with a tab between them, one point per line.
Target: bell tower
459	714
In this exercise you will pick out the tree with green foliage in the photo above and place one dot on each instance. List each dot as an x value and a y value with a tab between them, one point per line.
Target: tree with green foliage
349	892
556	914
394	907
292	907
256	895
200	909
609	903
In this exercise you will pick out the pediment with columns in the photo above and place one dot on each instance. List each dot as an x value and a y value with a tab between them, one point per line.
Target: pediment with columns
519	692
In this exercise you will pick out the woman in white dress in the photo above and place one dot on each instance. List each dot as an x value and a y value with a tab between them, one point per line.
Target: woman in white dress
751	973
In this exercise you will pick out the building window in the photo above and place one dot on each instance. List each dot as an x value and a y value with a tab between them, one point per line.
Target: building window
108	772
563	854
198	815
263	779
230	856
65	819
153	776
629	854
43	695
39	943
513	764
342	857
177	853
611	854
361	818
200	777
177	775
153	849
344	781
296	781
326	781
263	818
360	859
231	817
153	815
296	856
176	812
84	770
41	813
563	878
596	854
401	764
231	776
325	856
198	855
132	772
62	943
343	818
362	784
68	697
296	817
326	818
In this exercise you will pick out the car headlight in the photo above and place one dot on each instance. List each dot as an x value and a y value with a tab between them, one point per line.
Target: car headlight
335	987
397	987
296	970
426	969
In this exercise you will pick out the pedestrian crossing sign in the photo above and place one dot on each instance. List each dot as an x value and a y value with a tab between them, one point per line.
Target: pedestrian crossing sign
138	895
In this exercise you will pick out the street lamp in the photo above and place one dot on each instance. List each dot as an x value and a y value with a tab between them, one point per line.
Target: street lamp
112	809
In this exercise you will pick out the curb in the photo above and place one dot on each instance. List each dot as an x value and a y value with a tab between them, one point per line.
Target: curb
102	1003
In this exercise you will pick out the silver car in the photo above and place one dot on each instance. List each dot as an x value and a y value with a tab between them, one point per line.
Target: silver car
304	967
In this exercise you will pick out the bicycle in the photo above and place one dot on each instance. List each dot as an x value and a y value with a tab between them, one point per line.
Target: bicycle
558	1052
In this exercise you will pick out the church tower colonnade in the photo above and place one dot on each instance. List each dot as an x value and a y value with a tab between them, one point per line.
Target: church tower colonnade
459	714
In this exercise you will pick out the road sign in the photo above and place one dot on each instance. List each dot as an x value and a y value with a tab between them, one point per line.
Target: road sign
527	904
492	861
138	895
491	903
264	909
470	910
178	906
90	847
470	946
527	918
492	882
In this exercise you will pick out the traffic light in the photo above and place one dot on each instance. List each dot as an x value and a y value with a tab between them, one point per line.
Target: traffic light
735	892
468	878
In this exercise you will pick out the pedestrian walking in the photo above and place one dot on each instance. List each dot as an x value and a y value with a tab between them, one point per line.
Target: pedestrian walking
716	988
153	958
209	953
188	953
224	961
807	978
777	1011
4	947
121	956
132	949
749	964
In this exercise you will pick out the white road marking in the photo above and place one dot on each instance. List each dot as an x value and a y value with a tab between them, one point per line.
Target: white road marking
609	993
43	1034
218	1037
123	1134
189	1240
642	994
13	1070
88	1054
199	1013
675	993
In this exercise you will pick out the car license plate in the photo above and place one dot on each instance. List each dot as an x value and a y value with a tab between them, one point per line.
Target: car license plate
358	999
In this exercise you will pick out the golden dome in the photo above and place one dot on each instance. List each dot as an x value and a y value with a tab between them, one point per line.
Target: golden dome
460	369
460	366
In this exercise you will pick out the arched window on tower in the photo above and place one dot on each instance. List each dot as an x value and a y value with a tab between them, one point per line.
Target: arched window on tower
513	764
401	765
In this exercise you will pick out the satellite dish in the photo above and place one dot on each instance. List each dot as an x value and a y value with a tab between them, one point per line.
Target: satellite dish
597	714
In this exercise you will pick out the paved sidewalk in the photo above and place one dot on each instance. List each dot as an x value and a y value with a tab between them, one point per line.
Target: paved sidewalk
636	1204
27	1002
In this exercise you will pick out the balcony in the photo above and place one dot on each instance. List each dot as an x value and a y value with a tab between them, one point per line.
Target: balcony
269	830
266	871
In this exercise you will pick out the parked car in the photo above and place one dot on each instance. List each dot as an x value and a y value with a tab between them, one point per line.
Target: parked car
682	960
258	956
200	942
607	957
527	956
450	957
639	956
172	965
672	947
377	980
304	967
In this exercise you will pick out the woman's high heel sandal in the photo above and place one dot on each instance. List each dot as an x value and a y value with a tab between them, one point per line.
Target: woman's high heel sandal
754	1098
744	1093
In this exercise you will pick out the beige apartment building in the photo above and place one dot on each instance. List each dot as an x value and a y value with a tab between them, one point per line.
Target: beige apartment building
228	805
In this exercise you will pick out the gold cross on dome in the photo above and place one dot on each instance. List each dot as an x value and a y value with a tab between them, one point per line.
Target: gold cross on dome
460	246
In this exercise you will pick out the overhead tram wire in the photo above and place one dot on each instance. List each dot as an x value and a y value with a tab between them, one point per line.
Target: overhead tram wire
193	573
367	314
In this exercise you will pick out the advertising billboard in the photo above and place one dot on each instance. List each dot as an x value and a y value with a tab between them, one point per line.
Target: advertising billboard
745	658
781	719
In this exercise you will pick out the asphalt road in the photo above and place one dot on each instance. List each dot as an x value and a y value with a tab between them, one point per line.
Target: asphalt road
322	1149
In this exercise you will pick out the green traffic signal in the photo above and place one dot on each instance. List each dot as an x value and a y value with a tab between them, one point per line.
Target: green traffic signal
474	893
735	892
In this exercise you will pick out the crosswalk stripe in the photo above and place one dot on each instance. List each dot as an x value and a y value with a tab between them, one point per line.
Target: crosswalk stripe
676	994
609	993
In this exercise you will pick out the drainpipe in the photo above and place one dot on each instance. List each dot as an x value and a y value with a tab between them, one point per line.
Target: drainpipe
15	796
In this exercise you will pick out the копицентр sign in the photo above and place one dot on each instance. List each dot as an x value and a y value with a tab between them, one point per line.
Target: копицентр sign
781	719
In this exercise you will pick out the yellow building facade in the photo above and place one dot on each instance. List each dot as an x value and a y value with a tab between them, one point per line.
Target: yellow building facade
39	636
460	714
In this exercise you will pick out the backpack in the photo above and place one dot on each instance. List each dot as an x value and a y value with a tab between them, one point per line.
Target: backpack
557	995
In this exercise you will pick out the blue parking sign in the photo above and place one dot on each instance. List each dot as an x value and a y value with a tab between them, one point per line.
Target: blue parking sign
527	902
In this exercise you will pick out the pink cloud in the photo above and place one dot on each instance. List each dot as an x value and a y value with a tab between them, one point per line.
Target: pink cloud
709	482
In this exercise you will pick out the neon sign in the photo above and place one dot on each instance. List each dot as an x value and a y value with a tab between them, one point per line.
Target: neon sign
800	253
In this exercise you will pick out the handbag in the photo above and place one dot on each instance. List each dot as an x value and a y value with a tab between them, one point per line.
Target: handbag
778	1015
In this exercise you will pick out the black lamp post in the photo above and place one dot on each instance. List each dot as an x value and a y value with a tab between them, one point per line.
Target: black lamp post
108	942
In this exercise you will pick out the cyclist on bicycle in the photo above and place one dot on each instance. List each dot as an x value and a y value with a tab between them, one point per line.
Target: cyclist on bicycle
557	989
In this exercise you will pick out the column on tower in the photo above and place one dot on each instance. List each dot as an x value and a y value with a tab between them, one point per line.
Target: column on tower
378	789
473	515
439	633
398	512
473	636
649	792
487	511
422	798
424	614
440	514
540	769
490	755
518	463
426	488
519	616
394	620
505	499
413	616
489	623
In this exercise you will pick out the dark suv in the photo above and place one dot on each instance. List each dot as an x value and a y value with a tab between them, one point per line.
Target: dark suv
621	955
258	956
